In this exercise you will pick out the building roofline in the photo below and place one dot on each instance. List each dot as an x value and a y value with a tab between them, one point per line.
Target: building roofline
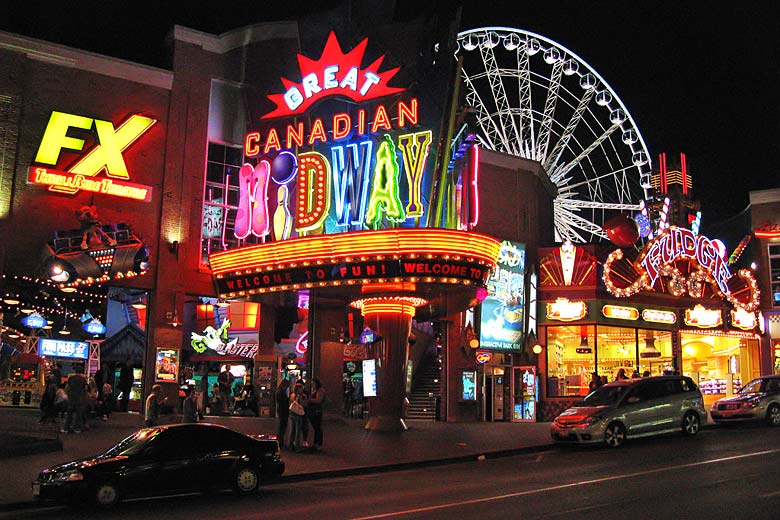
225	42
765	196
64	56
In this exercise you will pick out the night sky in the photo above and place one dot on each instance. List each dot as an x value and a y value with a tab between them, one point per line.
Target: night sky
698	77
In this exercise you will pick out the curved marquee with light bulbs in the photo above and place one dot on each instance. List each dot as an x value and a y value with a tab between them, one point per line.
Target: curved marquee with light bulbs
393	255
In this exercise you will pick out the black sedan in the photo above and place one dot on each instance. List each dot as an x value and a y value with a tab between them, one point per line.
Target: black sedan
164	460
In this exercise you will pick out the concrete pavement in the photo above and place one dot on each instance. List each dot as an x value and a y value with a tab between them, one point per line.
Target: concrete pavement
347	449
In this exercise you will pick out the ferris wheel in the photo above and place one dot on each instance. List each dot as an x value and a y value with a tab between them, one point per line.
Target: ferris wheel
536	99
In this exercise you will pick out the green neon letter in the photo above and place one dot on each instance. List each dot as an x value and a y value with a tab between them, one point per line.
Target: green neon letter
384	187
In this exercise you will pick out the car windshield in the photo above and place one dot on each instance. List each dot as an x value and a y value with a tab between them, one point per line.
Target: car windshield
752	387
133	444
604	396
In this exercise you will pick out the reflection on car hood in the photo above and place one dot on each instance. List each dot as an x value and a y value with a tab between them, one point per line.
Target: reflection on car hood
84	463
740	398
578	413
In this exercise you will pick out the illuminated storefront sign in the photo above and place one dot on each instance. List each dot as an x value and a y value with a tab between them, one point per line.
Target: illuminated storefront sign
63	348
620	313
34	321
743	320
658	263
564	310
767	230
503	310
703	318
658	316
106	155
366	167
483	357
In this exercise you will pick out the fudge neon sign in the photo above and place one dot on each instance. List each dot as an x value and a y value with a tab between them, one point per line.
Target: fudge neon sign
106	155
334	74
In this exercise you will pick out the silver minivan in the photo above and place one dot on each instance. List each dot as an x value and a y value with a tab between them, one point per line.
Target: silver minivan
633	408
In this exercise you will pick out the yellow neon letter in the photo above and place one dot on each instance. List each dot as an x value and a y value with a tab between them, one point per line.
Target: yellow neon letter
55	137
414	149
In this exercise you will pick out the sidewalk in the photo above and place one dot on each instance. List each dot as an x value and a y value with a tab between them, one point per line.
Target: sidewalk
348	447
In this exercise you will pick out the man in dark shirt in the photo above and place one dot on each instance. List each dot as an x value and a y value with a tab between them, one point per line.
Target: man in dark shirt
77	400
282	410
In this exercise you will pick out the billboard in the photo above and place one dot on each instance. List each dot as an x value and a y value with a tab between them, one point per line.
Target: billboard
503	310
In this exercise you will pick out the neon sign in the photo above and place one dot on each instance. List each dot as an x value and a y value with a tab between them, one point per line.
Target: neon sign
564	310
706	267
703	318
334	74
744	320
620	313
658	316
106	155
362	169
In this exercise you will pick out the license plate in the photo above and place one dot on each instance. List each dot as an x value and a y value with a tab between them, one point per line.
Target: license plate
732	406
36	489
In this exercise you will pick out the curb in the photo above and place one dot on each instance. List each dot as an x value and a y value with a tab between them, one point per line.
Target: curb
361	470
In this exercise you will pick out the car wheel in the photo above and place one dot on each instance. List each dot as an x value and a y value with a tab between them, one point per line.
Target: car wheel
106	495
615	435
773	415
691	424
246	480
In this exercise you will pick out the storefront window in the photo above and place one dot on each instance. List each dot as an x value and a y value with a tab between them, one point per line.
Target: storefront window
617	352
718	362
571	359
774	273
221	199
655	352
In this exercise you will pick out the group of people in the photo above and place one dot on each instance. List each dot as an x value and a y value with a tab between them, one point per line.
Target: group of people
621	375
72	402
227	398
299	406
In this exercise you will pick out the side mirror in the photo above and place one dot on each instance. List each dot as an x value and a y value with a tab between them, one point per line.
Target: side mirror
633	399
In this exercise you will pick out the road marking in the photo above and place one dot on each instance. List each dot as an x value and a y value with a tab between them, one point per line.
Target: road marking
566	486
770	495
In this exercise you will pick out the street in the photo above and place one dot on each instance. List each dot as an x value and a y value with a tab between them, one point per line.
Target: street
722	473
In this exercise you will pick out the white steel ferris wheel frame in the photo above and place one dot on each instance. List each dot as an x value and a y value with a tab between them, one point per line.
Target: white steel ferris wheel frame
592	151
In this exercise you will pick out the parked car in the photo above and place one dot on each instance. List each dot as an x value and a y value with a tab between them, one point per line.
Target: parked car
758	400
163	460
632	408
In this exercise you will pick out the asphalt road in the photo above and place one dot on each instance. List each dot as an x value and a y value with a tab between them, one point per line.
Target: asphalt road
722	473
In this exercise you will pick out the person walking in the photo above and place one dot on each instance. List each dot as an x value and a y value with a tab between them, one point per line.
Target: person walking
297	416
125	384
77	397
282	410
189	407
314	411
153	404
48	410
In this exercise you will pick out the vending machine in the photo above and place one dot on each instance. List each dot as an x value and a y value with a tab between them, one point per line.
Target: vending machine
524	384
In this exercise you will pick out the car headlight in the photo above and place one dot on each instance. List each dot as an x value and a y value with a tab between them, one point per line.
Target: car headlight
587	421
69	476
753	403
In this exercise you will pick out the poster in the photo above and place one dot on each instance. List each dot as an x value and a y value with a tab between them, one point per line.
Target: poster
166	365
468	380
503	310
